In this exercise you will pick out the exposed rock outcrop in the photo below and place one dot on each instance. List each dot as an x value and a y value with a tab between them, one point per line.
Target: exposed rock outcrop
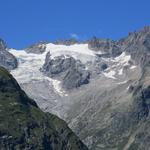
72	72
38	48
137	44
7	60
110	47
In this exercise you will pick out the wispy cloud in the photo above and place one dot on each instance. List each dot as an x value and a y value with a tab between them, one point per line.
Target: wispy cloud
74	35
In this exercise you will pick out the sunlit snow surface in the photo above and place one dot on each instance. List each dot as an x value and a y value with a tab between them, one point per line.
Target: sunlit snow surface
78	51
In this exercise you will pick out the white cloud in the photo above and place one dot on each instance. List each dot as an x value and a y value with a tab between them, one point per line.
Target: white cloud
74	35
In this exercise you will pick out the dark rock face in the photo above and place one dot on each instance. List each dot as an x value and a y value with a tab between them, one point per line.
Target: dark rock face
59	64
147	42
141	104
38	48
72	72
103	66
24	126
109	47
7	60
140	118
76	77
138	45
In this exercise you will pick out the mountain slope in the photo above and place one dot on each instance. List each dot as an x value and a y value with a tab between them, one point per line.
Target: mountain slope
24	126
100	87
116	112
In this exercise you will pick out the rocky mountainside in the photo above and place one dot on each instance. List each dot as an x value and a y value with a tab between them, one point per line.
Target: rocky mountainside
138	45
110	47
99	87
113	114
38	48
7	60
24	126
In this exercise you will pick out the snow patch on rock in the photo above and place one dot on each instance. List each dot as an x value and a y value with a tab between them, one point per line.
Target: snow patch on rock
110	74
122	59
123	82
120	72
133	67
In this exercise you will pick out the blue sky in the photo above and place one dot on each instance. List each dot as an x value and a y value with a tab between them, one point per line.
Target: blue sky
24	22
